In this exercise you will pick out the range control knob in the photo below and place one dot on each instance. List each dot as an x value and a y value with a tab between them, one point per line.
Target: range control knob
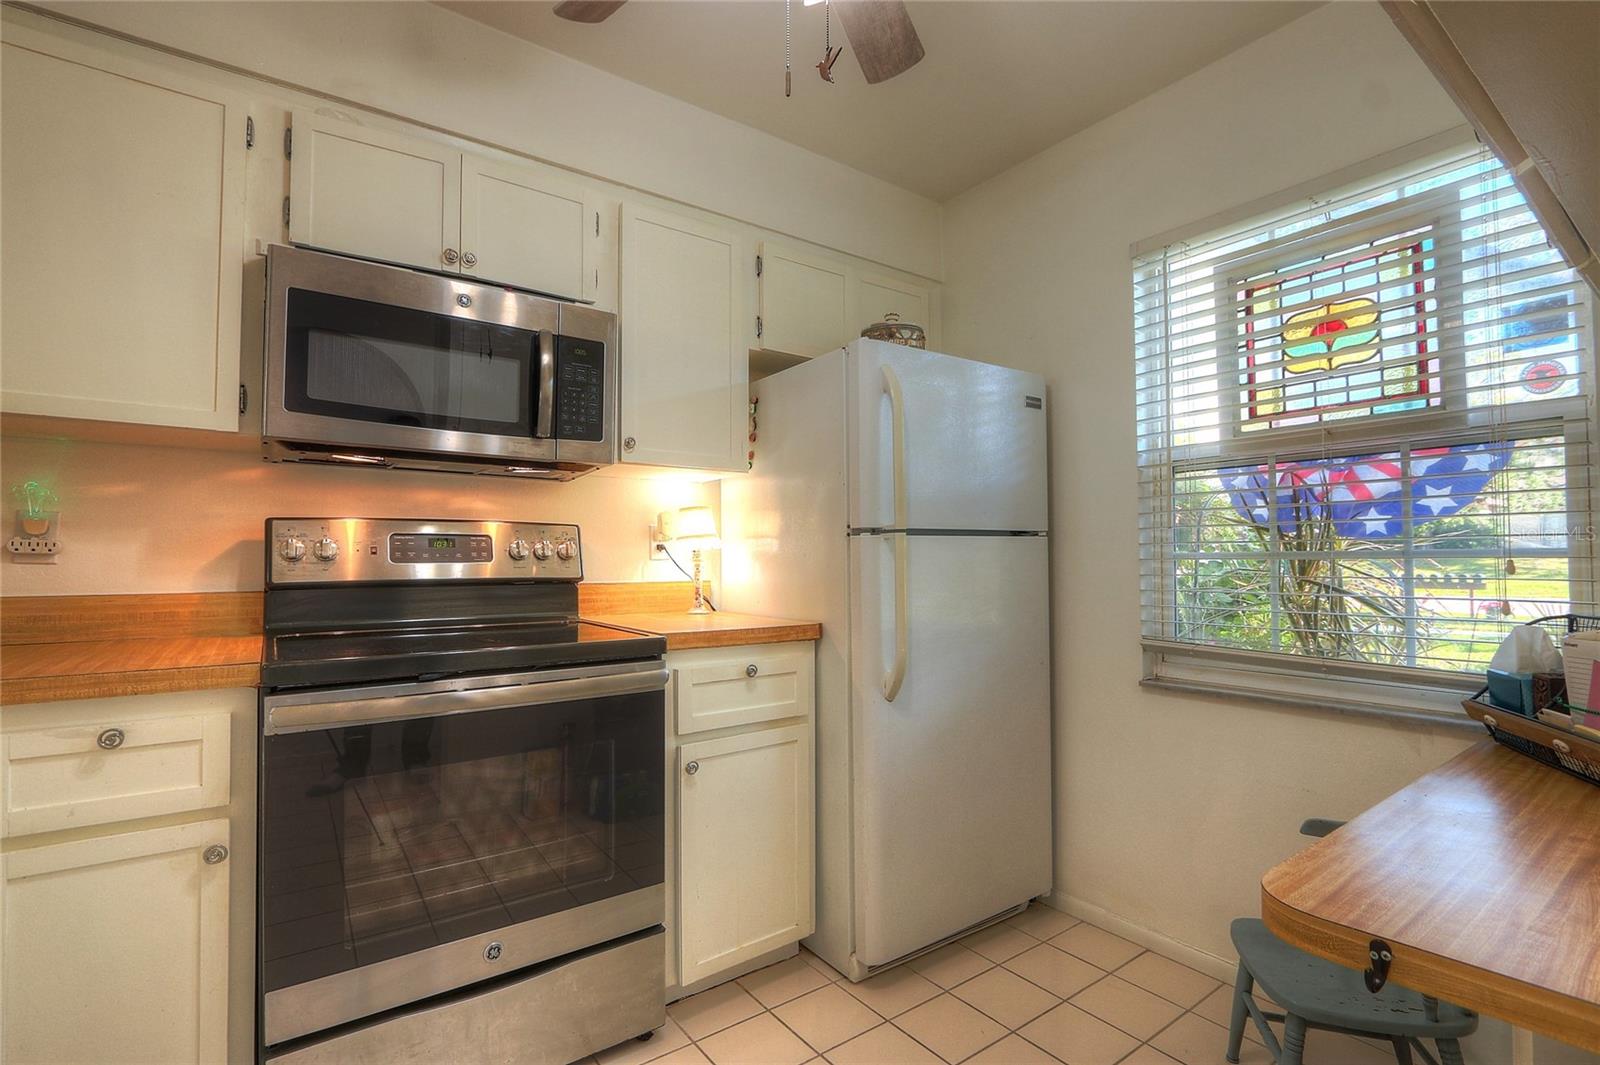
566	550
325	549
292	550
542	550
517	549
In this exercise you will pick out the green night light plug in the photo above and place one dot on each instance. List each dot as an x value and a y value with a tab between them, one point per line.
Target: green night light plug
36	502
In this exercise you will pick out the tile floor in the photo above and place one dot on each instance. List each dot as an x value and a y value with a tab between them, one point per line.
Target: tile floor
1040	989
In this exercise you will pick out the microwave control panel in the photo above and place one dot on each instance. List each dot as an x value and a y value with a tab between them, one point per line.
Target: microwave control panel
580	389
339	550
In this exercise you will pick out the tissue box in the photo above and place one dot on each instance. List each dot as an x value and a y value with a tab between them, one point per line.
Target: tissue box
1512	691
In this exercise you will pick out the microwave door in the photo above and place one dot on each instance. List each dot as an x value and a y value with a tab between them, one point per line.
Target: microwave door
366	356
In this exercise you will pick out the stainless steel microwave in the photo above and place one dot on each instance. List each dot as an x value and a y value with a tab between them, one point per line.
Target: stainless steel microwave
382	366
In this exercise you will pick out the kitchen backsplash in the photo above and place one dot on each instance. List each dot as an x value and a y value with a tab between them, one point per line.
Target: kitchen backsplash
167	519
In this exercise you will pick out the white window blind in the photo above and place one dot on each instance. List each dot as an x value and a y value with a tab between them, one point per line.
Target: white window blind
1364	428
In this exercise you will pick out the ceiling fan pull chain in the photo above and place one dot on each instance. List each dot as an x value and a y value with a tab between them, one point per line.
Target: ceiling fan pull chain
786	74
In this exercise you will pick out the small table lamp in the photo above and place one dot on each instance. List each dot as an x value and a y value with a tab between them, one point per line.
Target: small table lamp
695	528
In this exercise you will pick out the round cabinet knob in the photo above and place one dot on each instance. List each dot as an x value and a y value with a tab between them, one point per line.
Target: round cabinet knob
692	768
542	550
292	550
629	443
111	738
450	256
215	854
518	550
751	670
469	259
325	549
566	550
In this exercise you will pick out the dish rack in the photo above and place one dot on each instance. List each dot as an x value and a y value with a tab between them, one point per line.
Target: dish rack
1557	748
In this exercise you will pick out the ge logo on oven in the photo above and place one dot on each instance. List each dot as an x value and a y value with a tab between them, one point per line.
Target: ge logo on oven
492	951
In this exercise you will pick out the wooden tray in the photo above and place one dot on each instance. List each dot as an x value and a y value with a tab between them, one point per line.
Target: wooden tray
1555	747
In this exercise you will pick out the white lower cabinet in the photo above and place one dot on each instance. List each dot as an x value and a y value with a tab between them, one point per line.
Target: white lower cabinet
743	799
127	859
116	948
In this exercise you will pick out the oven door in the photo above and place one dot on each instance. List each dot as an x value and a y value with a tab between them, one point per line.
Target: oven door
422	837
364	355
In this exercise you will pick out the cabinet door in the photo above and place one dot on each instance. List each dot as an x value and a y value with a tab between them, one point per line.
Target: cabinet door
804	302
878	295
520	228
124	242
116	949
375	194
745	847
685	366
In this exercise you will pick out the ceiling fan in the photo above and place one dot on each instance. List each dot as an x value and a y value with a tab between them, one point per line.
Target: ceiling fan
880	31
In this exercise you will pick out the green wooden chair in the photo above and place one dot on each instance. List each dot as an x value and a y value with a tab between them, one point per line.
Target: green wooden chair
1319	994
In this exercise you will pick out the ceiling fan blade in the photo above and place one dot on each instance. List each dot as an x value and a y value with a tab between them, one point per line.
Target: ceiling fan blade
587	10
882	35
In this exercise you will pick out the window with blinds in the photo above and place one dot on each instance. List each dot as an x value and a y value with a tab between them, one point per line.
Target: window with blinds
1364	428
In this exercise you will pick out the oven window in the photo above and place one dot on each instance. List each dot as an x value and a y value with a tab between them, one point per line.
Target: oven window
381	840
349	358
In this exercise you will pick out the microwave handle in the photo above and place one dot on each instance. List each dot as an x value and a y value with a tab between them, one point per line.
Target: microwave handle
547	385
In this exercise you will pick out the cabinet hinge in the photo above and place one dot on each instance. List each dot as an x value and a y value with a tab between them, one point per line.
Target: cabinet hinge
758	266
286	210
249	132
597	223
758	325
244	398
288	143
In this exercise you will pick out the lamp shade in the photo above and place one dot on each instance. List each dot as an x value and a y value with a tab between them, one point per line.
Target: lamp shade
695	527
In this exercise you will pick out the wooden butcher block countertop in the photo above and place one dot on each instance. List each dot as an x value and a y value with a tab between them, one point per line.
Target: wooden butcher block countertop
99	646
721	629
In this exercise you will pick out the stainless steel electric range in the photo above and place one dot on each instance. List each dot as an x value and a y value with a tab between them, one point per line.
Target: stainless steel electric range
461	789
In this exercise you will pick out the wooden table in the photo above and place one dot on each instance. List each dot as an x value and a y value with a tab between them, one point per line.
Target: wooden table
1484	879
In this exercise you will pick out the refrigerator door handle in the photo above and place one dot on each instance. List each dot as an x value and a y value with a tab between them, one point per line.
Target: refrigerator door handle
897	540
902	639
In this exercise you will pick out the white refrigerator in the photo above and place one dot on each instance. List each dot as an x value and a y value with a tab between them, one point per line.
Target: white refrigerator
899	497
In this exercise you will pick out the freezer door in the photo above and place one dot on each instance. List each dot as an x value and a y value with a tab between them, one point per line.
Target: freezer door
952	777
972	452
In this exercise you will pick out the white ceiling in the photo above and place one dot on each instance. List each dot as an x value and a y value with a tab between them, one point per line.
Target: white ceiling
1003	79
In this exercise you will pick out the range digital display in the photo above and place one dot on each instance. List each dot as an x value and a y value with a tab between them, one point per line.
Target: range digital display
429	548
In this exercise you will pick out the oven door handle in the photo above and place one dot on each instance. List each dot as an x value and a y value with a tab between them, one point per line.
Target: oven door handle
547	385
313	717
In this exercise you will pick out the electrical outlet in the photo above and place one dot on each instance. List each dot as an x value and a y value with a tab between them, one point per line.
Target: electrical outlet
655	545
37	538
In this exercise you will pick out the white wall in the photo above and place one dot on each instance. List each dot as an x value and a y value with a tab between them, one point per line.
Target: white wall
1170	808
167	519
420	62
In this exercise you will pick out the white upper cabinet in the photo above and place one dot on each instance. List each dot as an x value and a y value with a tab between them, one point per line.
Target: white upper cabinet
878	295
372	193
417	202
123	215
684	364
521	228
804	301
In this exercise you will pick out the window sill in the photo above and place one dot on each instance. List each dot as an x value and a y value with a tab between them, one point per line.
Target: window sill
1432	718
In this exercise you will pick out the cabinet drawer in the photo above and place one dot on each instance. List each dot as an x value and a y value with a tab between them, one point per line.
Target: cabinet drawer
742	686
112	771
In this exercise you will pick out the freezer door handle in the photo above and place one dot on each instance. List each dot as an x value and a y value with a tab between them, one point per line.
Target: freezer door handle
897	540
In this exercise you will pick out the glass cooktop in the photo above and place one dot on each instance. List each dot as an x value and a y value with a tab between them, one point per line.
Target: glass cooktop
354	656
